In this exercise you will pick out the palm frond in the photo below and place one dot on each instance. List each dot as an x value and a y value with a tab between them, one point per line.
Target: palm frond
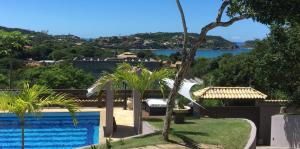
62	100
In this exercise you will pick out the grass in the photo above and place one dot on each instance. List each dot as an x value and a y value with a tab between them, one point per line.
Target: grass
230	133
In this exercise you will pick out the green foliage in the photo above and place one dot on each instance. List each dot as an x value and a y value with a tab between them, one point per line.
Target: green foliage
108	142
58	77
144	54
3	80
273	11
181	101
250	43
138	78
266	11
12	43
212	103
33	99
272	67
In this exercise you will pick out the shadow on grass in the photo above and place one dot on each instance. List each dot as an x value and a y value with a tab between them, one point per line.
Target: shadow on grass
188	142
189	122
190	133
154	119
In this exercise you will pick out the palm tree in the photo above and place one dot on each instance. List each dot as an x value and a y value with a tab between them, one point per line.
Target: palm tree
32	100
138	78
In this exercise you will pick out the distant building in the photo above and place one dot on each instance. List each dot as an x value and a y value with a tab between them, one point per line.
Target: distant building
126	55
99	65
176	65
33	63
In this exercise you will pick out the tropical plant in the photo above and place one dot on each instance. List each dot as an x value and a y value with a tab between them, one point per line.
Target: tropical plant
31	100
58	76
138	78
11	43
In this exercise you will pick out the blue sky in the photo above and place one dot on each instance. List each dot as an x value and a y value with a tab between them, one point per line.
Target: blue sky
94	18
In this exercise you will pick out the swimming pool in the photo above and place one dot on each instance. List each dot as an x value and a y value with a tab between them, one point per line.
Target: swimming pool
53	130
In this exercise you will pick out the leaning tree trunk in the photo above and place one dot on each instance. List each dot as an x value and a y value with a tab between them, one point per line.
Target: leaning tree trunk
23	132
188	57
177	83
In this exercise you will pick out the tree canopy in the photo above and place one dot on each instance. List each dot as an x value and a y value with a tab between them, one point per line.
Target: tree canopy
272	67
58	76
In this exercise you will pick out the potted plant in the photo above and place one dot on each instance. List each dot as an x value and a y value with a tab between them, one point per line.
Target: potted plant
180	110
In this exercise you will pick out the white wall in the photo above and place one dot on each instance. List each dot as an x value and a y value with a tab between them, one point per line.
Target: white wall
285	131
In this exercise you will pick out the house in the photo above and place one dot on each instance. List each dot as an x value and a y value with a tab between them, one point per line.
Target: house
176	65
126	55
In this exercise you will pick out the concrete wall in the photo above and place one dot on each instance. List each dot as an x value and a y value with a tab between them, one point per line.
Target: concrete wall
267	110
285	131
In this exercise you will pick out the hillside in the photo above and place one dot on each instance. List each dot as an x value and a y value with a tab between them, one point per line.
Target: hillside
250	43
161	40
56	47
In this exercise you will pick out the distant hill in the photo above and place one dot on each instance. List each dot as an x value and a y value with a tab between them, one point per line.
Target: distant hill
250	43
56	47
161	40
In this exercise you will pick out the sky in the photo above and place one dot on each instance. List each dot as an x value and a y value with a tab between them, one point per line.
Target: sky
94	18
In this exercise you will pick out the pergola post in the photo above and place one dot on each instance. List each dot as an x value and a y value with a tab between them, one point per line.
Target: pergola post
136	110
109	109
196	110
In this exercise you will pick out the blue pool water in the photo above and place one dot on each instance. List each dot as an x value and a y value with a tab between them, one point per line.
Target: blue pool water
203	53
53	130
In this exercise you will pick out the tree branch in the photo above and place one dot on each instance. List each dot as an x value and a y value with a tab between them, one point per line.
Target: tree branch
221	10
232	20
185	33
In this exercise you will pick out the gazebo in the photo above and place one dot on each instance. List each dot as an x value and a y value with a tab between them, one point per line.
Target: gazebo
230	93
240	95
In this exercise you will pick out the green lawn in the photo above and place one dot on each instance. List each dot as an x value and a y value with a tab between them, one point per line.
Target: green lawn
230	133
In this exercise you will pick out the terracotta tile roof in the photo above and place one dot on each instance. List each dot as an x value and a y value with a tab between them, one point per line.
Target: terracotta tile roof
229	93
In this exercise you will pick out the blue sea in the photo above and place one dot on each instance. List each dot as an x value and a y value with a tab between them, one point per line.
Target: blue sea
203	53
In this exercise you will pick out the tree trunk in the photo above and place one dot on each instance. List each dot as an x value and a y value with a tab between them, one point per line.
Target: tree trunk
23	132
171	100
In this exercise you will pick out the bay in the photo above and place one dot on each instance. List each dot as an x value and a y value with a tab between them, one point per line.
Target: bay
209	53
